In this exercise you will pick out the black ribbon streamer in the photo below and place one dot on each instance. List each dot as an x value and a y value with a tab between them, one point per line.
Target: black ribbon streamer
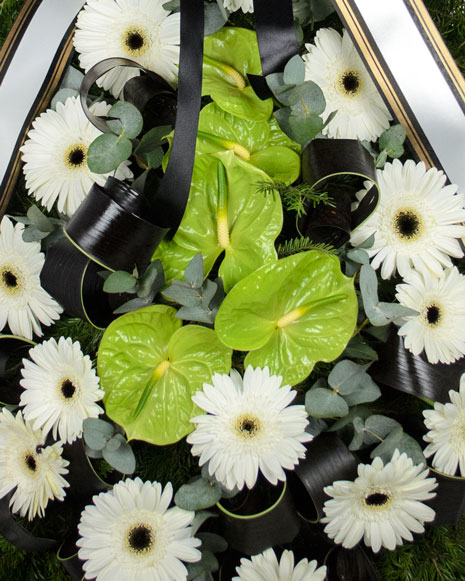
277	41
11	346
449	502
328	459
413	374
322	160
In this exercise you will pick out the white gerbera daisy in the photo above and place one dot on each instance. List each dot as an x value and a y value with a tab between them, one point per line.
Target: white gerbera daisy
265	567
446	436
33	470
416	223
55	156
23	302
249	426
130	534
439	328
383	504
233	5
61	388
335	66
139	30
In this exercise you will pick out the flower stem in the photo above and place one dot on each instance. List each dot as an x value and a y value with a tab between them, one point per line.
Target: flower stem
158	372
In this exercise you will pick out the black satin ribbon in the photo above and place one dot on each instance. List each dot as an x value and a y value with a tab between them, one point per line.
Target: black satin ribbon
413	374
328	459
277	41
11	346
449	502
16	534
114	226
73	280
173	193
350	565
322	160
138	90
253	535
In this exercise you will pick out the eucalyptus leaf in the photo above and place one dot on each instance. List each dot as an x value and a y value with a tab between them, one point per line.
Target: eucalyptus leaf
114	443
152	281
283	116
358	255
39	219
290	314
72	79
122	459
305	128
106	153
150	366
294	71
207	564
386	448
131	305
183	294
325	403
128	122
197	495
228	53
355	412
392	139
377	427
346	376
307	99
358	348
120	282
152	139
253	222
32	234
367	391
61	96
172	5
215	19
212	542
321	9
152	159
201	516
193	274
97	433
368	243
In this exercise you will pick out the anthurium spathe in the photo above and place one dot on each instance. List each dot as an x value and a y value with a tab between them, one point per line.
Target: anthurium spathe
261	143
229	55
150	366
238	221
290	314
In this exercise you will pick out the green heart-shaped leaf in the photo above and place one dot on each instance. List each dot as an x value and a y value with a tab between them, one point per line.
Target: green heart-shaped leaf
148	348
261	143
290	314
253	222
229	55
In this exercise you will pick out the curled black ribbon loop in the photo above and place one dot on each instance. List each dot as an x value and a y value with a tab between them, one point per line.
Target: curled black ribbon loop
11	346
322	160
413	374
137	90
157	104
73	280
16	534
252	533
277	41
328	459
114	226
449	502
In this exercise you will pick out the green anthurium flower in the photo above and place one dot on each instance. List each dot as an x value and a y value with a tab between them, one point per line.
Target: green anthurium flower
236	220
261	143
229	55
290	314
150	366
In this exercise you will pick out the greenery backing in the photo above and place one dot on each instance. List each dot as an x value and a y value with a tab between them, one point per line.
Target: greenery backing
439	555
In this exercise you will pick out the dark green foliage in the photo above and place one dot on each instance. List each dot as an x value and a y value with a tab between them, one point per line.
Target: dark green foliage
439	555
449	17
8	12
82	331
172	463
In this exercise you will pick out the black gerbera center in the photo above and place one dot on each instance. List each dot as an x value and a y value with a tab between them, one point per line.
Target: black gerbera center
433	314
248	426
351	82
9	279
134	40
76	156
377	499
68	389
31	462
140	538
407	224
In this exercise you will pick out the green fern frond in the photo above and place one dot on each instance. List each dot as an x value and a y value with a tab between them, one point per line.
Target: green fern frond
296	198
295	245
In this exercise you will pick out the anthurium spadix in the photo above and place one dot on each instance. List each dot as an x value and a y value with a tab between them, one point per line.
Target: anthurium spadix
150	366
289	314
225	214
